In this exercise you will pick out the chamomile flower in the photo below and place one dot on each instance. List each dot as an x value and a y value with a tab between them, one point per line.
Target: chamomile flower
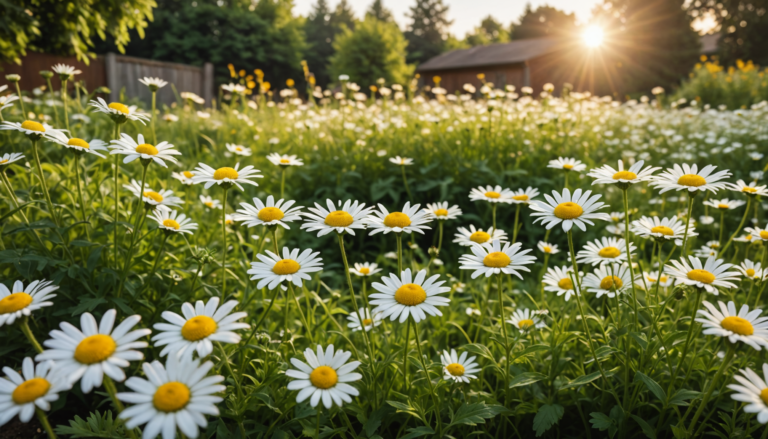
757	232
368	321
201	325
653	277
547	248
270	213
225	176
209	202
705	251
138	149
163	197
665	229
7	101
35	388
171	222
608	279
473	235
751	270
751	189
491	258
239	149
526	320
688	177
178	395
403	296
567	164
272	270
8	158
34	130
284	160
65	72
711	275
558	280
340	219
459	368
153	83
570	210
724	204
441	211
752	390
747	235
324	376
95	349
20	301
120	113
491	194
184	177
365	269
635	174
523	196
410	219
78	145
744	326
401	161
604	251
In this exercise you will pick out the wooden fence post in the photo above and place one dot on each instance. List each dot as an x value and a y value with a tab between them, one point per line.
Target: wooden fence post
208	83
110	67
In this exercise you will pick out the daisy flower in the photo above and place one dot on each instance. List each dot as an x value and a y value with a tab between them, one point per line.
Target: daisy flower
490	258
78	145
747	236
368	321
757	232
225	176
401	296
751	189
526	320
137	149
341	219
35	388
33	130
665	229
558	280
523	196
8	158
751	270
201	325
7	101
209	202
577	209
291	267
458	368
608	280
689	178
604	250
269	213
65	72
548	248
491	194
441	211
468	237
365	269
567	164
20	301
753	391
326	377
153	83
239	149
705	252
409	220
178	395
120	113
714	273
168	220
744	326
163	198
635	174
724	204
284	160
401	161
95	350
664	280
184	177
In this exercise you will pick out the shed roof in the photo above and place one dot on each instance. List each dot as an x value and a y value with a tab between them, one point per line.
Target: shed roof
495	54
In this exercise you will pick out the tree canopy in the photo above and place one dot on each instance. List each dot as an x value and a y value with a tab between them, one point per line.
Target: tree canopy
544	21
428	30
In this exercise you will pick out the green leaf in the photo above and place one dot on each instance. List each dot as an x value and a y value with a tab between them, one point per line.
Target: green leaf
652	385
374	420
649	432
584	379
681	396
640	338
479	349
526	378
679	432
600	421
530	350
96	425
417	432
546	417
473	414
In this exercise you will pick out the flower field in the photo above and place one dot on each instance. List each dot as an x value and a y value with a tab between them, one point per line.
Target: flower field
402	264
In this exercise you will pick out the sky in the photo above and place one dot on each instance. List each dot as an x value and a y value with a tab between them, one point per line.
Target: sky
466	14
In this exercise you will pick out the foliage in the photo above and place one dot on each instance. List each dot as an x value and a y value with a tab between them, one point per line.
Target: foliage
490	31
427	30
544	21
379	12
321	28
734	87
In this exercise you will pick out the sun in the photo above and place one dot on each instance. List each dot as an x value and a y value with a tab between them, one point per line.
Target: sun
593	36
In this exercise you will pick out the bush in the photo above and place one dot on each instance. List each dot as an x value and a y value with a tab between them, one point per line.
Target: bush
735	87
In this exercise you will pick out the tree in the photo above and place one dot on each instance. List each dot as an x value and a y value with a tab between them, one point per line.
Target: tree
490	31
320	34
343	16
65	28
743	25
373	50
427	32
379	12
545	21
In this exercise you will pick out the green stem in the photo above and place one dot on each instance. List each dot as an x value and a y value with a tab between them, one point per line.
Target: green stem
687	221
117	195
154	116
711	388
159	256
429	380
517	218
405	183
307	329
687	341
506	342
263	316
225	358
224	240
493	215
48	200
64	99
738	229
109	385
46	424
53	102
24	325
282	182
629	256
136	232
722	227
80	195
16	205
21	100
405	353
399	238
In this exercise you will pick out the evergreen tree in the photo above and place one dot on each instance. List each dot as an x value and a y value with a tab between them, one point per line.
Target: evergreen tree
490	31
743	26
427	32
320	34
343	16
379	12
545	21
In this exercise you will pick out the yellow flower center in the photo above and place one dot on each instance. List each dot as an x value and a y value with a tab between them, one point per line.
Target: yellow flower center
3	161
664	230
208	203
565	283
171	223
286	266
747	237
119	107
479	237
188	174
525	323
702	276
285	161
496	260
198	327
367	322
238	148
764	234
749	189
397	219
609	252
225	172
95	349
764	395
722	206
323	377
568	166
146	148
492	194
624	175
568	210
171	397
154	195
441	212
651	279
268	214
750	272
78	142
339	218
455	369
364	270
520	197
547	249
738	325
30	390
611	282
663	279
410	295
14	302
33	126
692	180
